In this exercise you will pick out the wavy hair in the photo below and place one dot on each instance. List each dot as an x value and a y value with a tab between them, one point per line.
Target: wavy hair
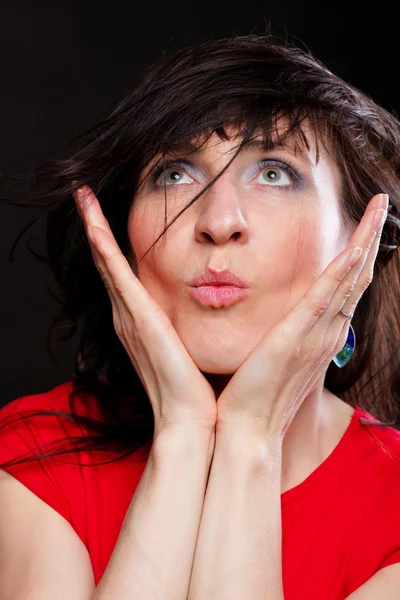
247	81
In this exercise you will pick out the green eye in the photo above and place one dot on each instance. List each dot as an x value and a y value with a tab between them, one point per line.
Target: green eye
276	176
272	175
175	173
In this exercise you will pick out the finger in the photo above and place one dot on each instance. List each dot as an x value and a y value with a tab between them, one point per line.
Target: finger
110	261
90	209
115	270
360	275
84	198
122	284
316	301
100	264
364	270
378	201
332	325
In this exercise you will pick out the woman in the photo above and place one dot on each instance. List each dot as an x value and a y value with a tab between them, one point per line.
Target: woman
247	463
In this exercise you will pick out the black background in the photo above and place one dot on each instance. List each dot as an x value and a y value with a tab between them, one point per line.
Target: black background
65	66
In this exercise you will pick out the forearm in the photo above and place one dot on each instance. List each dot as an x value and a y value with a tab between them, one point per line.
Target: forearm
239	548
154	552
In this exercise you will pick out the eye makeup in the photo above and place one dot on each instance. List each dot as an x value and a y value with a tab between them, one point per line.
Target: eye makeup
187	165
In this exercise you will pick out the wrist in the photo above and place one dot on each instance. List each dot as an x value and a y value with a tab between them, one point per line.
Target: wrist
248	443
182	440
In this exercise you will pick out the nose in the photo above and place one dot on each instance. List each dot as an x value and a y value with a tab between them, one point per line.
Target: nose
221	217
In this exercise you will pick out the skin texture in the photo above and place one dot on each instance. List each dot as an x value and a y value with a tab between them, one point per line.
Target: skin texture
279	239
250	466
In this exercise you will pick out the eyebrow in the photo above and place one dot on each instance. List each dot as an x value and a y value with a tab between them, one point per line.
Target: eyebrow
256	144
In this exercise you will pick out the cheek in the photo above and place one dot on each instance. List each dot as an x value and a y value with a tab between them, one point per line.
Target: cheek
302	252
158	271
145	224
139	233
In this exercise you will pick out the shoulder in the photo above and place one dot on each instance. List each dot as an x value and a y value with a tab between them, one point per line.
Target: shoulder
24	436
371	486
377	450
369	470
24	428
55	398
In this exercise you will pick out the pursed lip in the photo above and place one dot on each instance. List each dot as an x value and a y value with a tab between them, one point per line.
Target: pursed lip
218	278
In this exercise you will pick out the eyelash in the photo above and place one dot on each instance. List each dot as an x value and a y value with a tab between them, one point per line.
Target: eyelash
264	163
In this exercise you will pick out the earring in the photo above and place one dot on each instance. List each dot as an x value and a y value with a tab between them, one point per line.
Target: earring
342	358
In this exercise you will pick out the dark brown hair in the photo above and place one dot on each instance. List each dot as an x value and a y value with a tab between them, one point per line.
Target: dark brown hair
246	81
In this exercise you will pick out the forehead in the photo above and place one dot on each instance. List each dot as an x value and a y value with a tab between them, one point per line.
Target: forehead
305	140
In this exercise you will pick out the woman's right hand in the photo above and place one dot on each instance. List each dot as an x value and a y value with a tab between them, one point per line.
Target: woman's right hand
180	395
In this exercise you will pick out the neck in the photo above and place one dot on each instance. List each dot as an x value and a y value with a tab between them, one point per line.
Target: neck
315	430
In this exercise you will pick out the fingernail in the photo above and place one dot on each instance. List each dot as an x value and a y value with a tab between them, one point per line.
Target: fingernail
355	255
383	201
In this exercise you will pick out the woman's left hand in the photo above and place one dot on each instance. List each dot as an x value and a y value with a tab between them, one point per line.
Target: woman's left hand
267	390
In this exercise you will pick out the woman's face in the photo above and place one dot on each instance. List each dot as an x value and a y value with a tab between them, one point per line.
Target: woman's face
276	231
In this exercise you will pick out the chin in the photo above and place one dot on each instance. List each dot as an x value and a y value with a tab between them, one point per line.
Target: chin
217	364
222	351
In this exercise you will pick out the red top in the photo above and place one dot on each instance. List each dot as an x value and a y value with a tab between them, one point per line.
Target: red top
340	525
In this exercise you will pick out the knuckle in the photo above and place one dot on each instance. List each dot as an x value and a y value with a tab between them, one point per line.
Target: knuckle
113	255
120	288
106	282
348	288
337	279
366	280
369	245
318	307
